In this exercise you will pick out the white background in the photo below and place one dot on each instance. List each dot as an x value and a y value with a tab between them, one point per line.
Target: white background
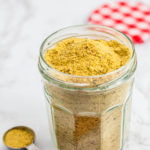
23	26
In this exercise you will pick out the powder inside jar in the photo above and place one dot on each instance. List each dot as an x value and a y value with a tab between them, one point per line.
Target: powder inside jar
88	120
87	57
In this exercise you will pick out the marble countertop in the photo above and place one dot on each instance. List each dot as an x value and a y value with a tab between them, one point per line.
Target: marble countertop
23	26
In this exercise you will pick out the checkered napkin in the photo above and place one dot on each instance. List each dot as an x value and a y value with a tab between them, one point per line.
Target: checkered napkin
131	18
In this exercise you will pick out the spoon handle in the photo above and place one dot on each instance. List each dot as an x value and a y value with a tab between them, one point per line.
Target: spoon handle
32	147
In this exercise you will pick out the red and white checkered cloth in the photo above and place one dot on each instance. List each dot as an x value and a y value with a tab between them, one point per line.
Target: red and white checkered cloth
131	18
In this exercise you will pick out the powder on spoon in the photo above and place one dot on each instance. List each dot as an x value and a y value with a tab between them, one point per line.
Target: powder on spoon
18	138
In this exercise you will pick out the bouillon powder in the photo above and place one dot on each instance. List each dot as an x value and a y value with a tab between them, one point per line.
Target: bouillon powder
87	57
18	138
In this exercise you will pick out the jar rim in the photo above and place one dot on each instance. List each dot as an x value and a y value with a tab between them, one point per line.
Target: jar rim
76	76
87	77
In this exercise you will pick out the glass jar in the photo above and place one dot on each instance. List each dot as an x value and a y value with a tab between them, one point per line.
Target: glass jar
88	112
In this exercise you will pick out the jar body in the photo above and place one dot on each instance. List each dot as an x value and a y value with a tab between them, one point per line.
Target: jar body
89	119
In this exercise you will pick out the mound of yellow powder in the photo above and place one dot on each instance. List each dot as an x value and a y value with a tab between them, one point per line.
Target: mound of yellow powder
87	57
18	138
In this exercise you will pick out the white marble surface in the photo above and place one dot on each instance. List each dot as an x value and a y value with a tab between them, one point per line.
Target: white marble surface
23	26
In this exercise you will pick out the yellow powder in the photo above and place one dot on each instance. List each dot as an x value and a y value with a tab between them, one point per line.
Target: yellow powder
87	57
18	138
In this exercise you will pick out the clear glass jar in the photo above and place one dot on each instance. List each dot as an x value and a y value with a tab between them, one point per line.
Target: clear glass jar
88	112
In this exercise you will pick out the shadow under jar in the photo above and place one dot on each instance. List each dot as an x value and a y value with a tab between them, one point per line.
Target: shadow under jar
88	112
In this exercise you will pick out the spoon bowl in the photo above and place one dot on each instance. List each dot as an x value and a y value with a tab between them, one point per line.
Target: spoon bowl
28	147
